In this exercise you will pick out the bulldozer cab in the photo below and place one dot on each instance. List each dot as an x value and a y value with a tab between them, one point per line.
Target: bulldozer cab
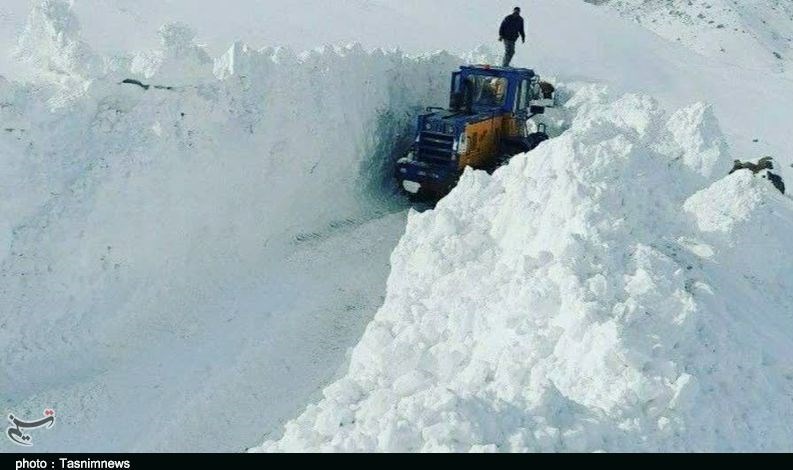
486	89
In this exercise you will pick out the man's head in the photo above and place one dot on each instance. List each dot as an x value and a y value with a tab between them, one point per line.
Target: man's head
516	11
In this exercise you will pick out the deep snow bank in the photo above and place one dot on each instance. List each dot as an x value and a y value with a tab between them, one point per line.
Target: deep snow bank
127	214
600	293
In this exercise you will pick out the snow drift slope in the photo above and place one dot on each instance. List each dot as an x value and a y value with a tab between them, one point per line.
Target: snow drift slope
133	222
600	293
751	34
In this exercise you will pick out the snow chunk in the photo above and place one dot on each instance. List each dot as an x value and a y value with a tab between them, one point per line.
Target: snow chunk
179	61
747	220
694	138
51	41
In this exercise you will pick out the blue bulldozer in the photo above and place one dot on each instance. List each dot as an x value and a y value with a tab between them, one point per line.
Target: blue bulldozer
487	122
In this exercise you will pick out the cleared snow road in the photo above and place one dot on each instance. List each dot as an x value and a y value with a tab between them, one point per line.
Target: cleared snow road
238	368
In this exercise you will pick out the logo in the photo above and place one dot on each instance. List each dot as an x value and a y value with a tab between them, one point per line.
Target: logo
18	436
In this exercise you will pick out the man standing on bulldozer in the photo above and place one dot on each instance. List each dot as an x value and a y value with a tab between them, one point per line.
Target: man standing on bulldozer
511	28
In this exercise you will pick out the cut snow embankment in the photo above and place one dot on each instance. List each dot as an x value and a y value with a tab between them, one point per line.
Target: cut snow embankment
599	293
154	242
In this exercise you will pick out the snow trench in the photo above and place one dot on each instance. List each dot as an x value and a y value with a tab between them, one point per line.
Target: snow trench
611	291
196	249
135	215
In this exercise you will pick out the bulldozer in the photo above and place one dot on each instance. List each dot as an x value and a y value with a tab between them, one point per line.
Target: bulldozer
486	123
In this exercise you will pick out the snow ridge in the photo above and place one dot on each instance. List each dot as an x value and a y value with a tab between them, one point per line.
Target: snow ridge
601	293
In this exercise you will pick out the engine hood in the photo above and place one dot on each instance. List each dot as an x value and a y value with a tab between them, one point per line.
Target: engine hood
450	122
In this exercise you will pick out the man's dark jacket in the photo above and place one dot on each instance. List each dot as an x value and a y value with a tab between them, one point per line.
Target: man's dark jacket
512	27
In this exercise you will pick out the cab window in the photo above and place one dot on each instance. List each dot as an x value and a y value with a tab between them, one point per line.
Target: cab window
523	95
488	91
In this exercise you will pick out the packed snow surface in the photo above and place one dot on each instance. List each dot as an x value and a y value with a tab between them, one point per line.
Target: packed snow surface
606	292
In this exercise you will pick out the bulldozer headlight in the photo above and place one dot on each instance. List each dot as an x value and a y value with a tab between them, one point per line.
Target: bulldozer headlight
406	159
411	186
461	144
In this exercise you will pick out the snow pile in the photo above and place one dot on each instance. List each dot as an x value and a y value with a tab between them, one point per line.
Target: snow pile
600	293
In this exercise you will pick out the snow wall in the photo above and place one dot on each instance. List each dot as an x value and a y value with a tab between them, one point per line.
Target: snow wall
610	291
125	210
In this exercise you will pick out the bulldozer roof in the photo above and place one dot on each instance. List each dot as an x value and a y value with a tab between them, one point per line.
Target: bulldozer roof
491	70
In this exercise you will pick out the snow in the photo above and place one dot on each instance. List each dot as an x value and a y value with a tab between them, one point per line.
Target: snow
748	88
51	41
170	250
558	305
203	253
755	34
